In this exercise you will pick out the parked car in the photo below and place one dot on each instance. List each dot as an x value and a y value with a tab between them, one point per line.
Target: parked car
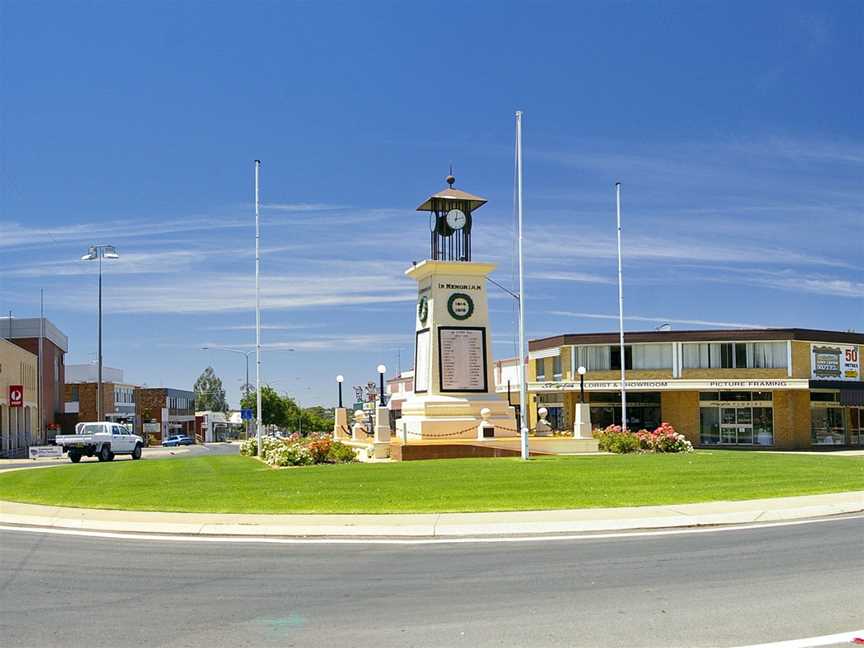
178	440
102	439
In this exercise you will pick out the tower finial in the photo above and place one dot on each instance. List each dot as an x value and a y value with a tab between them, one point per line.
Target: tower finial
451	178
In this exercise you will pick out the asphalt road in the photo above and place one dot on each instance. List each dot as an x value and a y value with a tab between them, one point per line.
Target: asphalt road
728	588
157	452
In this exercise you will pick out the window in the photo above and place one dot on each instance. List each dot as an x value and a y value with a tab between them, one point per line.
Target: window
540	368
652	356
74	397
615	357
556	368
593	358
826	425
738	355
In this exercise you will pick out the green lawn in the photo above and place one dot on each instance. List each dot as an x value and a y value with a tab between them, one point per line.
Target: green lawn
243	485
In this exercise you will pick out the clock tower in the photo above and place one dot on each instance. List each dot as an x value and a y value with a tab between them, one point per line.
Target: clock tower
453	371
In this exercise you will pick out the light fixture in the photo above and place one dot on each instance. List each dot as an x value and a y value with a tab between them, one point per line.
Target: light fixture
91	255
340	378
581	371
110	252
382	369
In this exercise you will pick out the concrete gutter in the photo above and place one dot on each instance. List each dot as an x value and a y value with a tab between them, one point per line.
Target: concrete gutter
431	525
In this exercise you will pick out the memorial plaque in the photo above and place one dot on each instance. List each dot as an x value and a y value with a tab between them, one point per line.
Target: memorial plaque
462	358
421	362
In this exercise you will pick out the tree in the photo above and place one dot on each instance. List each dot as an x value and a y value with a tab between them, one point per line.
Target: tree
209	393
274	408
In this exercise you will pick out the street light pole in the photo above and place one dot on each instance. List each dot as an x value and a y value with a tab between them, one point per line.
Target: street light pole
97	252
340	379
258	417
581	371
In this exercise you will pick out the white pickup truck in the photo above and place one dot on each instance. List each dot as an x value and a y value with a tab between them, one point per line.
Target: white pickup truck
102	439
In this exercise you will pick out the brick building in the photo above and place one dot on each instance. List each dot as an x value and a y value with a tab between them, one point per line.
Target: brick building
772	388
162	412
26	333
118	397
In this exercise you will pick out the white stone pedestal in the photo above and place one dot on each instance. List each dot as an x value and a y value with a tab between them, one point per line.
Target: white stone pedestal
582	421
340	423
382	432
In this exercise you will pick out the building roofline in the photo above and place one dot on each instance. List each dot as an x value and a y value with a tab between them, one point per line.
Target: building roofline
705	335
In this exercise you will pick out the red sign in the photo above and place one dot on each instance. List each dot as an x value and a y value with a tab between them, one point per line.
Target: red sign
16	395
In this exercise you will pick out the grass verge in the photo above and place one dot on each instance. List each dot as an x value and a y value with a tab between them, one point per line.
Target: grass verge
223	484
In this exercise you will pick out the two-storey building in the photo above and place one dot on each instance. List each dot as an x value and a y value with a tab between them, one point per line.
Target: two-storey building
759	388
162	412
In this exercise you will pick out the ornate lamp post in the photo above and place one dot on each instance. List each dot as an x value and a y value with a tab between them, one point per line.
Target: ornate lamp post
381	371
581	371
340	379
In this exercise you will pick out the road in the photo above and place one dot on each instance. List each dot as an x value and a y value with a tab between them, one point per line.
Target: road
727	588
156	452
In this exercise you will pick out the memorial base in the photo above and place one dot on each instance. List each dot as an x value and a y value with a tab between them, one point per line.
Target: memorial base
453	417
340	424
582	421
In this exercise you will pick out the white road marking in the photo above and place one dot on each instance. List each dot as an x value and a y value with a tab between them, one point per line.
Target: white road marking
811	642
167	537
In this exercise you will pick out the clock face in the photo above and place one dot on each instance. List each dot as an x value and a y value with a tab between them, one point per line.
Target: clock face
456	219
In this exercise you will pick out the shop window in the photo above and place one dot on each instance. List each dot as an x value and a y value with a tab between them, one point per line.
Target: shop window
736	424
826	426
709	425
540	368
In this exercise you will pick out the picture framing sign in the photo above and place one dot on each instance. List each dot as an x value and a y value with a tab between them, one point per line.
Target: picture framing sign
462	359
835	362
421	361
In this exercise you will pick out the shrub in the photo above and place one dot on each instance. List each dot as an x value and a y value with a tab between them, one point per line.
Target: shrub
289	454
341	453
249	447
614	439
319	447
663	439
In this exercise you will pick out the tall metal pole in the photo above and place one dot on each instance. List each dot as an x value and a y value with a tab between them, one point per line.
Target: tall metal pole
40	404
259	417
523	385
100	414
621	310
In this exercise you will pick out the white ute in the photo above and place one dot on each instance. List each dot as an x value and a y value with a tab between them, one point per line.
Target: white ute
101	439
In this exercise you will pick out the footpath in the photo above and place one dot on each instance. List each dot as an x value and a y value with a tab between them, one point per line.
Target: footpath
443	525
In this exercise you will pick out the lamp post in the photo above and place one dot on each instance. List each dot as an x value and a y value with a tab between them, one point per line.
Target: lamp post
381	371
581	371
98	252
340	379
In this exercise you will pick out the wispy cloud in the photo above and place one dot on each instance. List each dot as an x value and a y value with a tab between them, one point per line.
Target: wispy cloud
349	342
303	207
659	320
578	277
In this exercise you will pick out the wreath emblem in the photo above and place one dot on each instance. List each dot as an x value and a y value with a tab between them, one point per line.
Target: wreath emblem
423	309
460	306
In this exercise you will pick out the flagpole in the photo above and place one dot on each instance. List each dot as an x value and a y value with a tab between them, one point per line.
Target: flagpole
523	385
259	416
621	309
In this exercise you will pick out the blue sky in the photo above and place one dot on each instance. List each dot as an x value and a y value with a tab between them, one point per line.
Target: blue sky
735	128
